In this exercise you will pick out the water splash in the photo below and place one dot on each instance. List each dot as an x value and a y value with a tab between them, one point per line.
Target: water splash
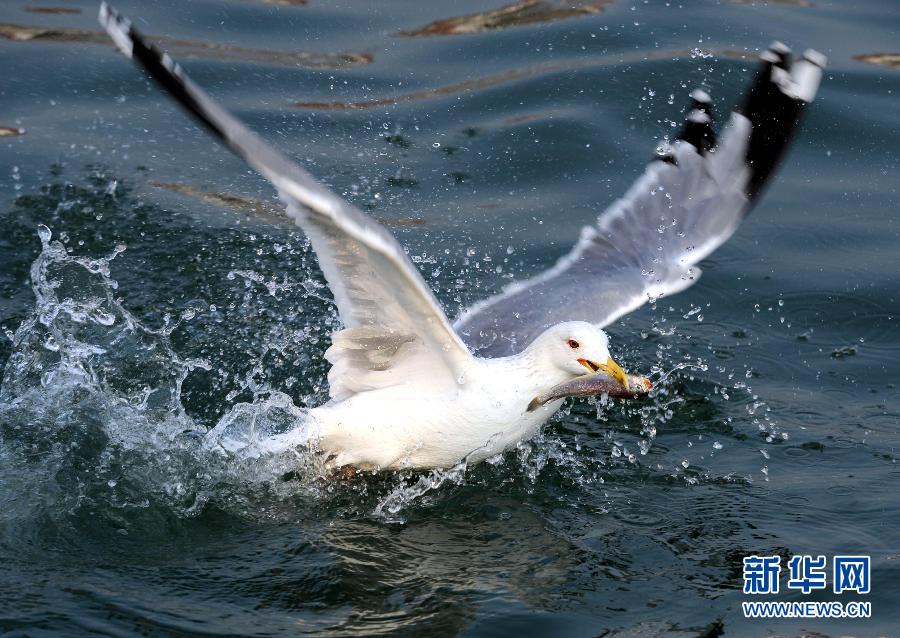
663	375
91	406
404	492
93	412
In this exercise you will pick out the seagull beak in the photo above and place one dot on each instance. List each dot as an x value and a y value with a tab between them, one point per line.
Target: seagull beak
610	367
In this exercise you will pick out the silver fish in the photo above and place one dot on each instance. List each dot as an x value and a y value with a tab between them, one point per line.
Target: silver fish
589	385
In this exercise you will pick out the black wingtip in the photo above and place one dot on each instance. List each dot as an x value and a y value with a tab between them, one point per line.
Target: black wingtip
698	127
781	54
117	26
698	131
157	63
701	101
774	105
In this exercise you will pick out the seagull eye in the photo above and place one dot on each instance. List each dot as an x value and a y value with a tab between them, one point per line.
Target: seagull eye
573	344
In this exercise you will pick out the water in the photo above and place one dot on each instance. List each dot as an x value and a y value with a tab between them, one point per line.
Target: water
151	293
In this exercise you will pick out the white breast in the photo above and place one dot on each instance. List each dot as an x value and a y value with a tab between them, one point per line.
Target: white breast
411	425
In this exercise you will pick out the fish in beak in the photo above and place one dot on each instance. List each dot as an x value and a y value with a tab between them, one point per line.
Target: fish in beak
610	367
604	378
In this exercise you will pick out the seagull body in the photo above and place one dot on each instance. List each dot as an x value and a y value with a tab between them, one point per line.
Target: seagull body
427	425
408	388
430	419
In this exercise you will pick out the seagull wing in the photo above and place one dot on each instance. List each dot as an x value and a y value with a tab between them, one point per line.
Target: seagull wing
687	203
394	326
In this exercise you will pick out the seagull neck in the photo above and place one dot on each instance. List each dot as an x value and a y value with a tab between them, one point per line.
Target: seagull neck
535	368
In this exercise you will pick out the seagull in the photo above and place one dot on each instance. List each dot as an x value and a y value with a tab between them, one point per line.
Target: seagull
410	389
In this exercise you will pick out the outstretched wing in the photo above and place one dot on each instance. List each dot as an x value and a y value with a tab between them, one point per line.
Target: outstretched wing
687	203
391	317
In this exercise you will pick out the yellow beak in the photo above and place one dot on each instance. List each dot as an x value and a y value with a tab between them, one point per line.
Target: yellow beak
610	367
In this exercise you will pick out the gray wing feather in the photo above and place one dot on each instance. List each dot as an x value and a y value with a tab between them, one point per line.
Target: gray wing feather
687	203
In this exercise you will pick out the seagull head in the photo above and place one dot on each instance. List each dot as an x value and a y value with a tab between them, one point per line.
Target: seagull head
577	348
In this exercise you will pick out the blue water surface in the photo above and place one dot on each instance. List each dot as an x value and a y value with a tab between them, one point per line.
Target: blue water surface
150	290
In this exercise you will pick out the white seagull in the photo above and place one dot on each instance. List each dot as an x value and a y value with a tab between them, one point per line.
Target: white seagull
410	389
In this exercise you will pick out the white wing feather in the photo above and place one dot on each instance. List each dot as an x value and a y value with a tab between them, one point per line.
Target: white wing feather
391	316
644	246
